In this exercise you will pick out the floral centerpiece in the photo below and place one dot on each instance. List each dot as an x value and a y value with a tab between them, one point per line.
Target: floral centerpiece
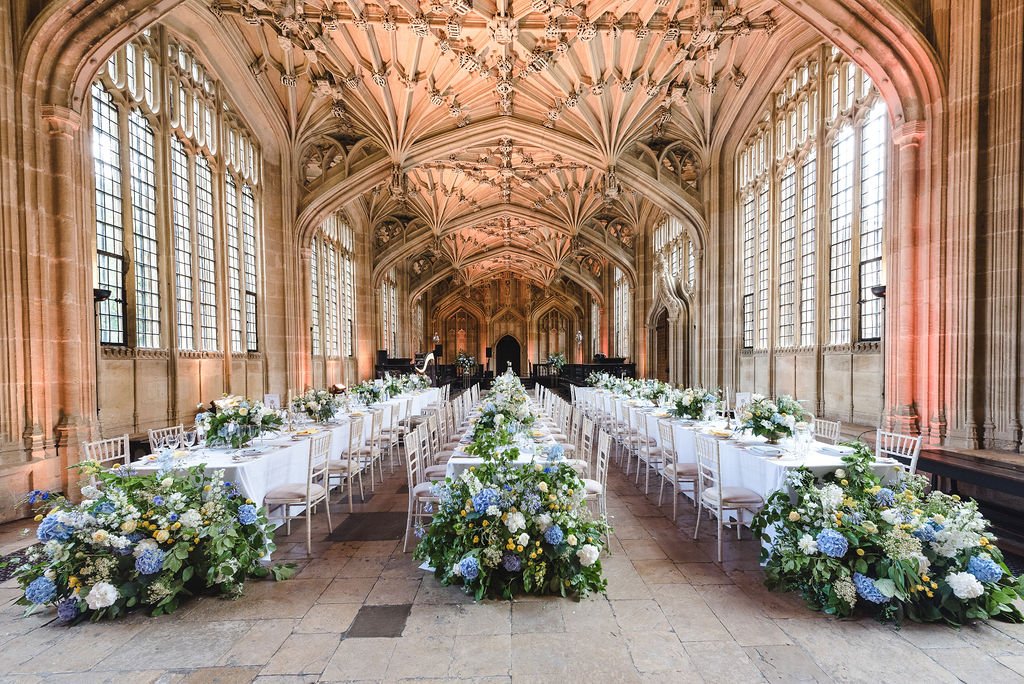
236	421
601	380
852	542
557	361
506	405
501	530
464	361
369	392
694	402
772	419
319	405
144	542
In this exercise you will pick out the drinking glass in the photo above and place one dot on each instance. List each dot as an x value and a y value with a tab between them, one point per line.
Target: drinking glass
189	439
172	441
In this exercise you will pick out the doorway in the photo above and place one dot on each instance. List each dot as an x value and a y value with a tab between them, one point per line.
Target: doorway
505	352
661	361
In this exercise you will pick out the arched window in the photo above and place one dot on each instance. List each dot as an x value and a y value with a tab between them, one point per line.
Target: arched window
389	313
784	226
155	134
332	288
623	316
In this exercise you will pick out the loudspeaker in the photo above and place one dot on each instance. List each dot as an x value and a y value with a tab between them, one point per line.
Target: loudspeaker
382	357
488	352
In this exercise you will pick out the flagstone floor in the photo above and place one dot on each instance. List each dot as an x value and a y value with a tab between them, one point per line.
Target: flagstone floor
670	614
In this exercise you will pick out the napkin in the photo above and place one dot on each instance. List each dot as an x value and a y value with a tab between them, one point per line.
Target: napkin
836	450
762	450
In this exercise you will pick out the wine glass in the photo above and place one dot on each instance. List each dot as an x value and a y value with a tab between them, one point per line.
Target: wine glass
189	439
172	441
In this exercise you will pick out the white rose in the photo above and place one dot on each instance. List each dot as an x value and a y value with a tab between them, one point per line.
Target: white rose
166	482
543	486
523	539
588	555
50	574
543	521
807	545
572	540
102	595
965	585
191	518
516	521
890	516
143	546
100	536
840	473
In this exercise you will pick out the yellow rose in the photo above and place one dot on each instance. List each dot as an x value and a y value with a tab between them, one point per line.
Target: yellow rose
793	516
100	536
243	411
860	552
128	526
543	486
162	535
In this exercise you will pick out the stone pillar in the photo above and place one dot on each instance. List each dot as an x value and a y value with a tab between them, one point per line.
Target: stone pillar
71	331
907	301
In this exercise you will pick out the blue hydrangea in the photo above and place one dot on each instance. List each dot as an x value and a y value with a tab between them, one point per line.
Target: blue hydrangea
105	508
135	537
469	568
556	452
984	569
531	503
855	518
554	535
867	590
484	499
832	544
173	517
67	609
150	562
51	528
512	562
247	514
37	495
885	497
41	590
925	533
158	500
938	527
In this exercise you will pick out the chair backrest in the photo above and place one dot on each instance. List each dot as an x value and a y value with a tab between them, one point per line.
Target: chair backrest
904	448
413	465
668	440
709	468
586	447
319	457
355	435
422	437
376	429
157	436
108	452
827	429
572	393
604	441
576	426
435	438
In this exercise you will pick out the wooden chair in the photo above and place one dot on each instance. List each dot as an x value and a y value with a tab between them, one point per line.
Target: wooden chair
158	436
903	448
108	452
420	491
597	489
715	497
349	466
672	471
309	494
827	429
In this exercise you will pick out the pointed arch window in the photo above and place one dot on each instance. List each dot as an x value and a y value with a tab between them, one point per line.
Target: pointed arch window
332	288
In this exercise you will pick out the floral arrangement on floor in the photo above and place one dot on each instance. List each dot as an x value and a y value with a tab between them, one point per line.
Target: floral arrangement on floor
502	530
144	542
236	421
557	361
318	405
507	405
465	361
772	419
694	402
852	541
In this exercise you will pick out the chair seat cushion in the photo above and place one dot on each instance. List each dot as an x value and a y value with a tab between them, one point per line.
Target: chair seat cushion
423	490
292	492
434	472
593	486
681	469
734	496
343	465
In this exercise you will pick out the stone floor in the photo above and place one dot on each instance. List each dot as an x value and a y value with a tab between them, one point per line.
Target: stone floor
670	614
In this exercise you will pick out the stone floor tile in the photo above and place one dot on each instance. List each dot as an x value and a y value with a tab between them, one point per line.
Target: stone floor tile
441	619
537	616
643	549
742	617
786	663
486	617
659	572
658	652
597	658
423	656
330	618
221	675
360	566
985	636
168	644
1013	662
703	573
303	654
359	659
643	615
393	591
974	666
259	643
288	599
348	590
723	662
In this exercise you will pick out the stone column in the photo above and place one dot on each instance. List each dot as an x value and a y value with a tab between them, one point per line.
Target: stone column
72	335
907	301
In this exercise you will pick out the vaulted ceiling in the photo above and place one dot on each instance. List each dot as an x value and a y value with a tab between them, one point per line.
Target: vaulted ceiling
632	86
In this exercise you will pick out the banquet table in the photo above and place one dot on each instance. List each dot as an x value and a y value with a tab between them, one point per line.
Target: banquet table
741	464
283	459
